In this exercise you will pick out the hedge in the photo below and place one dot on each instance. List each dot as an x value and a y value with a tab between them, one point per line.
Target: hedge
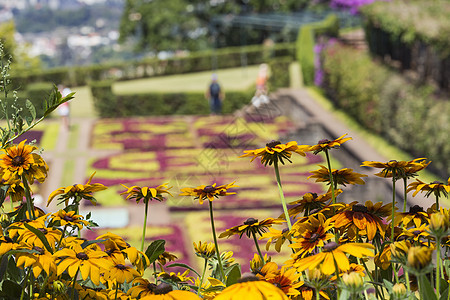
305	44
279	73
409	116
109	105
194	62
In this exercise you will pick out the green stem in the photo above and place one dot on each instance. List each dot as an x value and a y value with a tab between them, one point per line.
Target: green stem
219	259
438	264
377	292
25	282
394	266
30	205
338	279
73	284
62	236
283	200
408	284
317	294
145	225
333	195
203	276
405	183
117	289
437	202
393	205
257	248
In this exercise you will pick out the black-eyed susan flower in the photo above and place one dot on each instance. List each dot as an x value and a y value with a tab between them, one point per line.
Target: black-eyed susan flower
113	251
258	262
141	288
309	293
88	262
90	293
121	273
17	228
311	234
250	227
436	188
209	289
19	160
399	250
392	168
39	260
326	144
165	257
277	237
164	291
250	286
209	192
16	191
285	279
175	277
414	217
53	236
410	170
145	193
68	218
363	218
343	177
334	254
6	244
116	239
77	192
275	151
417	235
205	250
310	202
270	268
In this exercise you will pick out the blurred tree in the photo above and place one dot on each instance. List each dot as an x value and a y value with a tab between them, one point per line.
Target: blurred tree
21	61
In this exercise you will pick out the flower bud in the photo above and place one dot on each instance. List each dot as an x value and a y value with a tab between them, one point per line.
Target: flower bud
4	220
400	249
438	224
353	280
399	290
419	257
58	287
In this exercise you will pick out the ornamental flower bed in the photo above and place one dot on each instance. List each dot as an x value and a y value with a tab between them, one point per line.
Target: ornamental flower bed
336	250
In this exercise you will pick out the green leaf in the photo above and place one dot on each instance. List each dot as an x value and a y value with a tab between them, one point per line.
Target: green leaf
3	193
12	289
345	295
87	243
425	289
54	100
154	250
29	105
233	274
183	266
41	236
3	266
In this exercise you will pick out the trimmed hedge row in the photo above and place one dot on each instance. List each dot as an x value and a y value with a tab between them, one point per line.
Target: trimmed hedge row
306	40
279	73
382	101
109	105
194	62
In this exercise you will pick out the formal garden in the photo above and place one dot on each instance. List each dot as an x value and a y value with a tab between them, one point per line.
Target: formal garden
175	203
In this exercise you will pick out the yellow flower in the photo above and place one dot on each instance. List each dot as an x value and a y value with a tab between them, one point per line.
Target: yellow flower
362	217
145	193
52	235
275	151
141	288
164	292
7	244
437	188
325	144
20	160
279	237
311	234
411	169
121	273
286	279
40	260
90	263
249	287
310	202
63	218
251	226
165	257
334	254
208	191
343	176
77	192
210	288
399	250
205	250
401	169
415	217
256	264
175	277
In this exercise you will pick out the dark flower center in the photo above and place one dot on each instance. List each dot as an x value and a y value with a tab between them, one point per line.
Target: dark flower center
359	208
324	141
417	232
415	209
109	251
246	277
314	195
121	267
68	218
162	288
277	285
392	161
8	239
330	246
151	287
209	189
39	250
436	182
314	237
250	221
285	230
273	144
82	256
17	161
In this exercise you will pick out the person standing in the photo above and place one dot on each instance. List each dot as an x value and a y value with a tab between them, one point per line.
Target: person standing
215	96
